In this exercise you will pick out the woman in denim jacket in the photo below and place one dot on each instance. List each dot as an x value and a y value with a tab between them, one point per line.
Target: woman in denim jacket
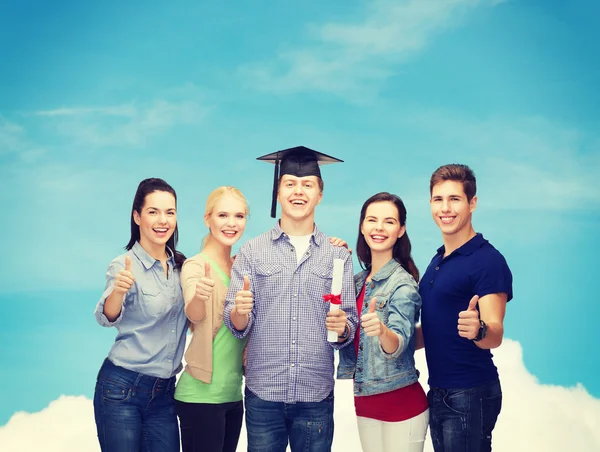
391	406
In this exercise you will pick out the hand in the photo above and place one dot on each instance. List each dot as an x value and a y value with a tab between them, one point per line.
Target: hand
204	287
124	279
468	321
336	321
244	298
370	321
336	241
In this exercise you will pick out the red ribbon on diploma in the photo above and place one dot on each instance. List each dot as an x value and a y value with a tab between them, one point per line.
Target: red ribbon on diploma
333	299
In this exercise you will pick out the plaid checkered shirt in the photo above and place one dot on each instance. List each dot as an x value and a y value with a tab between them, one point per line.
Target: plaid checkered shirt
289	359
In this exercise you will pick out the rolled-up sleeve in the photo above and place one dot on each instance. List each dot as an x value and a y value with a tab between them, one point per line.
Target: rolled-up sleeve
242	266
114	268
191	273
403	306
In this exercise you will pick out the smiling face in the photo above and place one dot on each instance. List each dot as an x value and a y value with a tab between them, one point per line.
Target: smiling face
156	219
227	220
450	208
381	227
298	197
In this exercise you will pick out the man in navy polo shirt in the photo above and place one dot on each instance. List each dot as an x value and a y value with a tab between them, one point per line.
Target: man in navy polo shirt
464	290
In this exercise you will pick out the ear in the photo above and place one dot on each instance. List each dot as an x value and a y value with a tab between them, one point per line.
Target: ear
206	221
473	204
136	217
402	231
320	197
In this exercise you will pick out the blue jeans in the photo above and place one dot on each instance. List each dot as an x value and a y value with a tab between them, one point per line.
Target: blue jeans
308	426
462	420
135	412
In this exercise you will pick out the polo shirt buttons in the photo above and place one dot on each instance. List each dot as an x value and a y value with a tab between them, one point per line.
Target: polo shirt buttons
437	268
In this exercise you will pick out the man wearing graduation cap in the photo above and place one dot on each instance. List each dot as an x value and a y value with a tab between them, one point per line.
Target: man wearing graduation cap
276	298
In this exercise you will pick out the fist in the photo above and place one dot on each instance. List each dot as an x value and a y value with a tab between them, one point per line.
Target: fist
204	287
370	321
468	321
336	321
244	299
124	279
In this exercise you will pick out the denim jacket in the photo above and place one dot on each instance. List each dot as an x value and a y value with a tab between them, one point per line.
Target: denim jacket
398	306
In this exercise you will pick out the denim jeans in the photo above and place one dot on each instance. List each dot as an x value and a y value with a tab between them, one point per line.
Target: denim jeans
210	427
308	426
135	412
462	420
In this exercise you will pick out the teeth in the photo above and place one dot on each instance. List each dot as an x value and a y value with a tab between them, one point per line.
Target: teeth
446	219
378	237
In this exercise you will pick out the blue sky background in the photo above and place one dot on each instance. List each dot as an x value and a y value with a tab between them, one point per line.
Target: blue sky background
95	97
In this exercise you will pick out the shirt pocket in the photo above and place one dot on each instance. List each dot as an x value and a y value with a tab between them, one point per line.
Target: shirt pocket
269	281
155	302
382	306
320	281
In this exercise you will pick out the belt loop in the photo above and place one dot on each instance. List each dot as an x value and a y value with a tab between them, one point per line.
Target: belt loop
135	384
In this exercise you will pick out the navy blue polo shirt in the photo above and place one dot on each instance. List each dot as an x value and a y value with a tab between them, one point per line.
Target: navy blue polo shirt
446	289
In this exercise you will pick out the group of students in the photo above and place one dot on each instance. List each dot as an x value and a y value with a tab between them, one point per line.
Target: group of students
263	318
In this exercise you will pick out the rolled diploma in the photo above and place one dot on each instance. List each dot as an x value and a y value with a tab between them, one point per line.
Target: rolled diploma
336	289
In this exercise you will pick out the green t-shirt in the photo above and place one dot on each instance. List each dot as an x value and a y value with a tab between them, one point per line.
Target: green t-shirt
226	385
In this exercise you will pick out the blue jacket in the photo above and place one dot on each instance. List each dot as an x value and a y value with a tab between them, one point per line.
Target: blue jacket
398	306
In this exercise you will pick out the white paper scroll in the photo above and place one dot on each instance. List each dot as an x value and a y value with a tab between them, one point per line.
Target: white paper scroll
336	289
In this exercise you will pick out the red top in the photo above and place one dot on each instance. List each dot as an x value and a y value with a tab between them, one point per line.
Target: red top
394	406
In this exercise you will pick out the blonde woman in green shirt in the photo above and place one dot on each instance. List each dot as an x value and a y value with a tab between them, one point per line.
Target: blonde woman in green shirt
209	395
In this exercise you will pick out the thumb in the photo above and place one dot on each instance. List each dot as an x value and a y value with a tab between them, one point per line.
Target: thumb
246	283
372	305
473	303
206	269
128	264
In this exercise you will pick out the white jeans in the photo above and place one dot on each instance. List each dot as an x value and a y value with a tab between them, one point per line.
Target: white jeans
405	436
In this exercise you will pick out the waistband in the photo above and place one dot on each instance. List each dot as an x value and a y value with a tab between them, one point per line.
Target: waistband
110	371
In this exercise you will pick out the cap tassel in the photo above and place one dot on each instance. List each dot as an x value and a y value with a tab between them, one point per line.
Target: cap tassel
275	187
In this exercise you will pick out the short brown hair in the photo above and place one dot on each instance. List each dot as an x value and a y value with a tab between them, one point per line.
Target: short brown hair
456	172
319	181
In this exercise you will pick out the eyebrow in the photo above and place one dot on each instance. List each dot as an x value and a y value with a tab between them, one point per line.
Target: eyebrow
156	208
386	218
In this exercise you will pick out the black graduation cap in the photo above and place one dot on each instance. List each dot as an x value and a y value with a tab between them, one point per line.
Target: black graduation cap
299	161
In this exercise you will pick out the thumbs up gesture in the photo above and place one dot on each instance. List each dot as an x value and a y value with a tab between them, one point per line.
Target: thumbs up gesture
244	299
370	322
204	287
124	279
468	321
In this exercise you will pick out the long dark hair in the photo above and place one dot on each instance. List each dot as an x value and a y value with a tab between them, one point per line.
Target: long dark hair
146	187
402	247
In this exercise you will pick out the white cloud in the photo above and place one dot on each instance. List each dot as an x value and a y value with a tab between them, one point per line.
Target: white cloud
123	125
14	141
341	57
127	124
534	417
128	110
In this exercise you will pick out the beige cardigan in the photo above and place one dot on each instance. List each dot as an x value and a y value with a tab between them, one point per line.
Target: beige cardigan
198	355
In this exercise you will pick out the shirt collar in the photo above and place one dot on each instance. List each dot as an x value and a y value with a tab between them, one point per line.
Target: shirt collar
317	237
147	260
468	248
385	271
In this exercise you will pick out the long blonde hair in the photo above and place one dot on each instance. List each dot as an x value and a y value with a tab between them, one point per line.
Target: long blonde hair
213	199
